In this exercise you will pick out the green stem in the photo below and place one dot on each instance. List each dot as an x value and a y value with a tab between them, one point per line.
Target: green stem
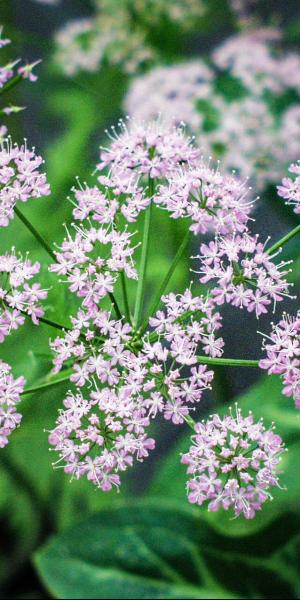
115	305
11	84
35	233
228	362
53	324
144	259
125	297
45	385
167	278
49	322
284	240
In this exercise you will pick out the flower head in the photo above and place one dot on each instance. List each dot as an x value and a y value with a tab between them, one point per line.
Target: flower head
141	151
18	298
133	378
213	201
20	178
290	187
244	273
233	464
10	391
282	348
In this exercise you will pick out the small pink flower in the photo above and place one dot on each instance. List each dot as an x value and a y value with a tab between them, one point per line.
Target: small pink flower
232	464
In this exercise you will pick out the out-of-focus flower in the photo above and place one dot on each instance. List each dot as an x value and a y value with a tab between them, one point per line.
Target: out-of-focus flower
283	354
118	33
173	92
48	1
87	44
20	178
10	391
251	58
18	298
233	104
233	464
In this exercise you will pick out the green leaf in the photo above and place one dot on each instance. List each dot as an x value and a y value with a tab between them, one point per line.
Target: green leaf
133	551
151	549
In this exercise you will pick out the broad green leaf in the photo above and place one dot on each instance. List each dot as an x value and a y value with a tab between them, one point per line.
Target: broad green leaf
153	549
133	551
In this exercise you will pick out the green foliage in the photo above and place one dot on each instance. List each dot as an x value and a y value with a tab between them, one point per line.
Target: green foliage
150	549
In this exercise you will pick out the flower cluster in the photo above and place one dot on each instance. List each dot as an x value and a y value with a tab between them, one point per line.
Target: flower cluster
282	348
290	187
127	372
231	103
171	91
118	34
18	298
92	261
146	149
10	391
133	379
233	464
244	273
87	44
20	178
143	153
213	201
250	58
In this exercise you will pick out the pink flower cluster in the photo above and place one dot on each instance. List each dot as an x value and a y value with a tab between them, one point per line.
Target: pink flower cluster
10	391
244	273
18	298
290	188
126	373
133	379
141	152
282	348
93	260
213	201
233	464
20	178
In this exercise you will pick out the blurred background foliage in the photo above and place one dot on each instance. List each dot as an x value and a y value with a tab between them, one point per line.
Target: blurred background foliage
157	547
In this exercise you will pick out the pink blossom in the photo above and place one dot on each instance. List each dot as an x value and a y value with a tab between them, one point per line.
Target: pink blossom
232	464
20	178
244	273
290	188
18	298
10	394
282	350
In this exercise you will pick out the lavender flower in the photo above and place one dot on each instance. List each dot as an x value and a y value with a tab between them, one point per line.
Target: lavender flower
140	150
10	391
290	188
232	463
133	379
244	273
20	178
242	130
282	348
214	202
18	298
